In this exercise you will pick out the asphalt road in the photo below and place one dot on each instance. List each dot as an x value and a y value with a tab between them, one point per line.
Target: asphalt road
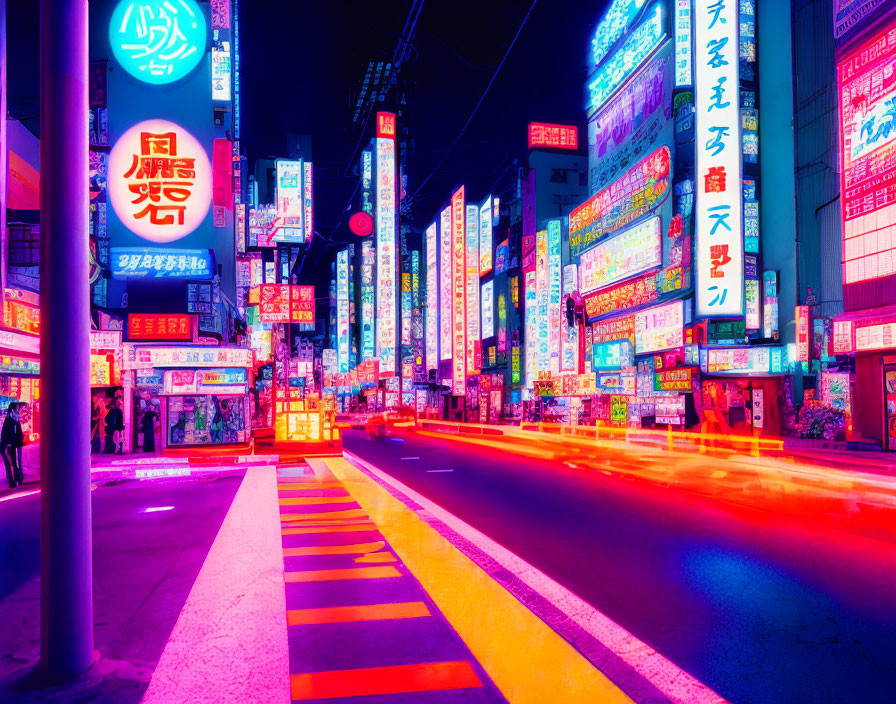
763	608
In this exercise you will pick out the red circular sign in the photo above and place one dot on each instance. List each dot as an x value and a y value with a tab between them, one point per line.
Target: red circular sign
361	224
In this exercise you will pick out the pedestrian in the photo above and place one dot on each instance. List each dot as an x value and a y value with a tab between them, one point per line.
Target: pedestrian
148	424
218	423
12	438
95	444
114	428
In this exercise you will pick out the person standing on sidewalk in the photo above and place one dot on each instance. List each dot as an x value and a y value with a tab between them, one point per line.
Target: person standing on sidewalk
11	439
114	428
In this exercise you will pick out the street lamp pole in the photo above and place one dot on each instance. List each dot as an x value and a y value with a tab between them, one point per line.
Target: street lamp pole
65	541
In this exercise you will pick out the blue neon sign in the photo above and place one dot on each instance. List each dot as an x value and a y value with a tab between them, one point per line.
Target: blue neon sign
614	24
157	263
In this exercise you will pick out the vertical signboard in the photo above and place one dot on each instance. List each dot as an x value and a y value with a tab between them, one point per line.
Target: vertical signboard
531	294
458	286
290	201
368	302
555	293
485	236
367	181
770	305
542	285
803	335
684	69
569	334
308	199
720	239
342	311
445	284
474	346
386	283
432	297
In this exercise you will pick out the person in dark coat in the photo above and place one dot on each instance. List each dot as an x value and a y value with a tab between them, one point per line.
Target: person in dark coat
147	425
114	424
11	439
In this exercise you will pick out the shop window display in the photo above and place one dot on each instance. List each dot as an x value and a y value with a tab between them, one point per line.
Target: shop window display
206	420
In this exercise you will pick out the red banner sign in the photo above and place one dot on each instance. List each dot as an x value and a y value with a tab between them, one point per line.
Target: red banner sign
543	134
274	303
154	326
301	304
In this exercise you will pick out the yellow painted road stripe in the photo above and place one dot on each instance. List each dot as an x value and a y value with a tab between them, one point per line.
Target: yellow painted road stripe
346	573
528	661
350	513
377	557
314	500
348	614
293	486
355	528
359	548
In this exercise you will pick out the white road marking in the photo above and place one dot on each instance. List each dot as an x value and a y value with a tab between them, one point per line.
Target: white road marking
410	458
439	470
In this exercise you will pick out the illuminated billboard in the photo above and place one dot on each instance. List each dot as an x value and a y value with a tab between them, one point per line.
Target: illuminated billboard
445	284
615	22
629	253
531	301
458	286
342	312
542	287
867	94
720	235
432	297
160	181
386	265
221	71
158	41
625	60
659	328
684	58
155	263
290	201
488	310
472	258
555	293
642	188
544	134
485	236
368	302
308	200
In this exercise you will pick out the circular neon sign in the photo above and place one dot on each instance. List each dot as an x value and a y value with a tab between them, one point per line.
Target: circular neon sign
160	181
158	41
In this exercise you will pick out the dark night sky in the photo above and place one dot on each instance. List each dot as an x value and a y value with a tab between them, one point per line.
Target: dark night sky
302	61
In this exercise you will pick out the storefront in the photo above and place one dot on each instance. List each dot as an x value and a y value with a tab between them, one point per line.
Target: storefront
107	394
201	394
20	379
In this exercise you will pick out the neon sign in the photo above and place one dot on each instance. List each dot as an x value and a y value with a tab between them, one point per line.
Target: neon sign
160	181
555	293
143	263
629	253
158	41
368	302
531	300
472	259
432	297
485	237
445	284
153	326
386	288
488	310
613	25
221	71
684	68
544	134
342	311
308	196
637	47
748	360
290	203
145	357
720	236
385	125
641	189
659	328
867	94
542	283
458	283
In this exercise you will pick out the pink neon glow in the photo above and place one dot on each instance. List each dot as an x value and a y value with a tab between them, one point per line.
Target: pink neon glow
20	495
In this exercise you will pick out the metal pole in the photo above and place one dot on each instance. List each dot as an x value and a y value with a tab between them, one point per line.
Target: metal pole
66	569
4	250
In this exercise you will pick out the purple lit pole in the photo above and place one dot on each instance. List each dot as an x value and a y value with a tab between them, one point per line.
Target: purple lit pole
65	541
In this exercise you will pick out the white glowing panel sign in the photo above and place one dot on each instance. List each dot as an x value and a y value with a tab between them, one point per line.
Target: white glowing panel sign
684	59
660	328
629	253
445	284
432	297
876	337
160	181
542	287
342	311
569	334
488	310
308	197
386	290
472	254
555	293
221	71
485	237
531	290
720	238
458	287
290	202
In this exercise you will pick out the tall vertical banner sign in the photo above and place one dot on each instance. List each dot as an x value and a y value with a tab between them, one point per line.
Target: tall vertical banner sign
386	282
445	290
866	79
290	201
458	287
531	294
474	345
542	285
432	297
342	311
555	297
368	302
485	236
308	199
720	239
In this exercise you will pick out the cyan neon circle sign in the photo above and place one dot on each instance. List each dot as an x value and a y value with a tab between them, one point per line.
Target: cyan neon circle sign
158	41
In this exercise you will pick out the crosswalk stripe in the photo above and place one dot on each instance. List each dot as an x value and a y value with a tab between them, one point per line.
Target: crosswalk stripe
379	572
359	548
348	614
337	528
314	500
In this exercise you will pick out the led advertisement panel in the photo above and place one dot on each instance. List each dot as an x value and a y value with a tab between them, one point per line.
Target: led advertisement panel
386	265
549	136
485	237
848	14
684	56
273	305
629	253
158	41
555	293
474	343
432	297
133	357
636	121
458	286
159	326
659	328
308	199
488	309
867	94
615	22
720	238
619	66
641	189
445	284
301	306
569	334
531	300
368	302
156	263
290	202
221	71
160	181
342	312
744	360
543	350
